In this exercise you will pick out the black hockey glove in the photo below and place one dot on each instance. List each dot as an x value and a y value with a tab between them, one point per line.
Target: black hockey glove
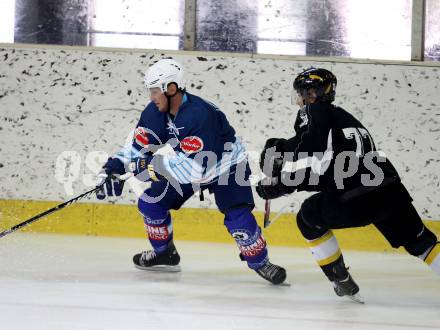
273	188
271	163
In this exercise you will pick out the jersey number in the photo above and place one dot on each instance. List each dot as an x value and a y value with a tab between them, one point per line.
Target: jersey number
363	140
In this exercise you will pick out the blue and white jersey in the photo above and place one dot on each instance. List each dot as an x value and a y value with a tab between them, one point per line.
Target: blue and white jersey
204	143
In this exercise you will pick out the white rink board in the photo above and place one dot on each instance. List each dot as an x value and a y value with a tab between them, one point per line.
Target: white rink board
88	100
65	282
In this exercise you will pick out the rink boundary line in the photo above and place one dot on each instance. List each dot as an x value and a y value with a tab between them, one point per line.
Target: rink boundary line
192	224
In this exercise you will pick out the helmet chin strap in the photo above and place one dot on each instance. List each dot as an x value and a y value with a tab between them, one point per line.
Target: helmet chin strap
169	102
169	97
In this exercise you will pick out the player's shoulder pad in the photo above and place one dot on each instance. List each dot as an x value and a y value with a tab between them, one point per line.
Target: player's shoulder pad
199	103
320	107
151	112
319	111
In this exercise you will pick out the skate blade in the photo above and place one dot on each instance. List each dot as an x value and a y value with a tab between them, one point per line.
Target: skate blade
356	298
285	283
161	268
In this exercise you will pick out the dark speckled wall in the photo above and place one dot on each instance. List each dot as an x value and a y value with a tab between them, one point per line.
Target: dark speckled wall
84	101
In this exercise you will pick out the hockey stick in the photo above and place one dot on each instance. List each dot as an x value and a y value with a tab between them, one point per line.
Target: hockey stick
267	221
59	207
50	211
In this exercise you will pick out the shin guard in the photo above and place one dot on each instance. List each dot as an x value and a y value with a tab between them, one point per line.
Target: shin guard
158	225
243	227
325	249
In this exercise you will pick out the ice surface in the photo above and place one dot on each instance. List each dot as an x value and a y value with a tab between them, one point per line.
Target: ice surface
72	282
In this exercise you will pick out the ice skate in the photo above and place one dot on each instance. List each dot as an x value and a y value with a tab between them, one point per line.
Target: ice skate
272	273
347	287
343	283
167	261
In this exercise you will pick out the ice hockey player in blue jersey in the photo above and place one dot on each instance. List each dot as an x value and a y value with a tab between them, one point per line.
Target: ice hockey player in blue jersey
207	157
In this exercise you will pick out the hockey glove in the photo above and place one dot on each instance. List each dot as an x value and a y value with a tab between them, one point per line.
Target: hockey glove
271	159
273	188
144	168
109	180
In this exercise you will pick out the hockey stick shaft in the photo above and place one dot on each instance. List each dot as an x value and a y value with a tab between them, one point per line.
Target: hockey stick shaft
50	211
268	221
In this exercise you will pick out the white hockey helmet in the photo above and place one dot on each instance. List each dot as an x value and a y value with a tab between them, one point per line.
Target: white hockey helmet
164	72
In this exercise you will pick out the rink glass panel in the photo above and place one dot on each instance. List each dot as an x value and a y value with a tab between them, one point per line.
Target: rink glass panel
432	30
138	24
373	29
107	23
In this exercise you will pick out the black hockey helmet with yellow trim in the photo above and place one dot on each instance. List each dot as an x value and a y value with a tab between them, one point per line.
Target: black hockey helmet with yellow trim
321	80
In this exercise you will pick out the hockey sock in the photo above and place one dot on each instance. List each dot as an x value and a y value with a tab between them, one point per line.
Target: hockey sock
325	249
158	225
432	258
160	232
243	227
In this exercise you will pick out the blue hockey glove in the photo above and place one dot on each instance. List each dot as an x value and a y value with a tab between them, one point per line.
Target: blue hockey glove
144	169
114	166
109	180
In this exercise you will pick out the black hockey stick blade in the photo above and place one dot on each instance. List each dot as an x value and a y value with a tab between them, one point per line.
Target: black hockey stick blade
52	210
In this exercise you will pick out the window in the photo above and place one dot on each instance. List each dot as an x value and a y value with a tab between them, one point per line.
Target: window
137	23
375	29
7	12
282	27
378	29
227	25
432	30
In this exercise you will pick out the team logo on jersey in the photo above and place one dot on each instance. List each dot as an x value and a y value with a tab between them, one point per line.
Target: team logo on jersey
141	136
304	118
173	129
191	144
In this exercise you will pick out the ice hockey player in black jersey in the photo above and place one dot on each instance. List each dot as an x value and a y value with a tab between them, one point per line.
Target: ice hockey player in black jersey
356	185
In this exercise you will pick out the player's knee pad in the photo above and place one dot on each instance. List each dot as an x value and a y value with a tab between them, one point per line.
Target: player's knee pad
243	227
307	228
424	241
158	224
153	213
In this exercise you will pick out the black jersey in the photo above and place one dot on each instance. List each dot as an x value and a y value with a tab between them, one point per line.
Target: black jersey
336	151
